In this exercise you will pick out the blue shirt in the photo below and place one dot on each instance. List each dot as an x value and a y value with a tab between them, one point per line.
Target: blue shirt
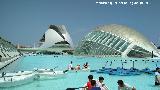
95	88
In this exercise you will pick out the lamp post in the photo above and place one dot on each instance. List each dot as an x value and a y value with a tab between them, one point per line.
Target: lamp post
133	64
152	54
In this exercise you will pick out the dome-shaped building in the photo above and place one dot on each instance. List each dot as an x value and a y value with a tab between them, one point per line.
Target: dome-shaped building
116	40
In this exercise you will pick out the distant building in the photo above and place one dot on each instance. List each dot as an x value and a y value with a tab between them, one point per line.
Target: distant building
116	40
56	35
56	39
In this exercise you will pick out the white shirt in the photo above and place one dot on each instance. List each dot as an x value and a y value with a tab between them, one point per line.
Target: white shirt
157	73
70	66
98	84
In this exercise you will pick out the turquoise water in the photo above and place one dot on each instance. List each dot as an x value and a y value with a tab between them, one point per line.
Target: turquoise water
141	82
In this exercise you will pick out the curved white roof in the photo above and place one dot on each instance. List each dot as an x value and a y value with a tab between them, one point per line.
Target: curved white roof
55	34
129	34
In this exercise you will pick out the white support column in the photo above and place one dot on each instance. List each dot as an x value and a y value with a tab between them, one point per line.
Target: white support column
129	48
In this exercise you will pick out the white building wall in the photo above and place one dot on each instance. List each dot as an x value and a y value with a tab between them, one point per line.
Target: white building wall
67	36
51	37
68	39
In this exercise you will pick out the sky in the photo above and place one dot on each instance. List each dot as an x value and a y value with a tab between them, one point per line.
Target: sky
25	21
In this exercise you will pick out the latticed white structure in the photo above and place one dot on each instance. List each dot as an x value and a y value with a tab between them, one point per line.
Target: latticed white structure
7	50
116	40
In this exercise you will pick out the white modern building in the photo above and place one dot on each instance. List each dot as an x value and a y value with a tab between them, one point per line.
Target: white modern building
8	53
7	50
116	40
56	35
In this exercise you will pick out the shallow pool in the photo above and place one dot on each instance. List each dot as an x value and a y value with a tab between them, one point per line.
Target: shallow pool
141	82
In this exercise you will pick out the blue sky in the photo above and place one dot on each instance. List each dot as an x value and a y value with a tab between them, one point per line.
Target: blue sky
25	21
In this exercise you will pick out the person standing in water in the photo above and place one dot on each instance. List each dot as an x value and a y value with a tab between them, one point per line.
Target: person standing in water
86	65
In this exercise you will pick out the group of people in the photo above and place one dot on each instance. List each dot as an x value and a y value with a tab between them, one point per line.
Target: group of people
157	76
99	85
78	67
95	85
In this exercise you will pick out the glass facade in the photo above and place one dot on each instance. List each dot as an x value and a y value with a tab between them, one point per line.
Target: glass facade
116	40
102	43
139	52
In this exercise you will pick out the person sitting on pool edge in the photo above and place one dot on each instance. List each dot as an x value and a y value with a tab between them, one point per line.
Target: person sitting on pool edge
124	86
157	76
100	84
